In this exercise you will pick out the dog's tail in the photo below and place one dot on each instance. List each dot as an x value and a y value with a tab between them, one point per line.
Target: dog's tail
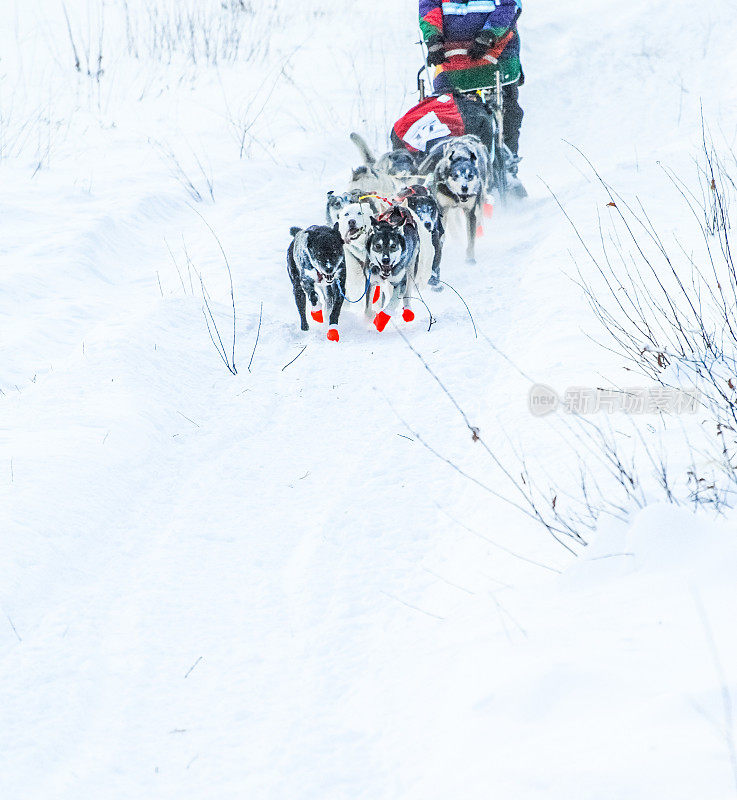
364	149
293	231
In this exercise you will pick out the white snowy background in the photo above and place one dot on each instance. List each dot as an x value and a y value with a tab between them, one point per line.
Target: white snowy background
264	585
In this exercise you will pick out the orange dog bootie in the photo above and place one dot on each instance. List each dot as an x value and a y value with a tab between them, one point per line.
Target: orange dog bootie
381	320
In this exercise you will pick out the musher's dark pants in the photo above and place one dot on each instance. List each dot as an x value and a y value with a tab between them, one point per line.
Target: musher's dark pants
513	115
478	119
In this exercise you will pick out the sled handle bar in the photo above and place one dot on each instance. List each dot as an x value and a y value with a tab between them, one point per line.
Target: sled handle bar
421	83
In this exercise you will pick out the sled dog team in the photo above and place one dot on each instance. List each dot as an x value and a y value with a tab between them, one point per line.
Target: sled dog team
383	241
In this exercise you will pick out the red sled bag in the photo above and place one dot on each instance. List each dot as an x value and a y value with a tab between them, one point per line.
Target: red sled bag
434	118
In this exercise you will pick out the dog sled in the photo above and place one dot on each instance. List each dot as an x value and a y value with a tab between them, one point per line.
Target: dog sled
439	118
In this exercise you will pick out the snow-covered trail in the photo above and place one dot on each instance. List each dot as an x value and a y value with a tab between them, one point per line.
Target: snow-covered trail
262	585
282	528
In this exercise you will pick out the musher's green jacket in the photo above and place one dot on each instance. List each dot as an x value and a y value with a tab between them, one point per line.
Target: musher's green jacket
460	23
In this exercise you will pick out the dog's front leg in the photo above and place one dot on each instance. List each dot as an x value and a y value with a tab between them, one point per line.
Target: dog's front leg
471	223
316	306
373	297
444	214
335	303
437	243
300	298
381	320
407	314
295	276
369	300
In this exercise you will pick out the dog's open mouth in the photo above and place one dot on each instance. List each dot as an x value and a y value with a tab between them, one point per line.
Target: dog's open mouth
381	272
353	234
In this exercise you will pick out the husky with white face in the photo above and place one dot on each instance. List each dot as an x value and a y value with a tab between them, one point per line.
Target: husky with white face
354	224
336	202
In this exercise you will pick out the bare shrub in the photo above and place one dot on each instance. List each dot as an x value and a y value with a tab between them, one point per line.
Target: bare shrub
87	46
199	31
197	181
668	309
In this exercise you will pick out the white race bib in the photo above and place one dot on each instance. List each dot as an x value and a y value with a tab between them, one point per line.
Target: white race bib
426	129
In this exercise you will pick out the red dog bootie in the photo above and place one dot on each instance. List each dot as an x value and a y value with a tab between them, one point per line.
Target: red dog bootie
488	210
408	315
480	231
333	335
317	316
377	295
381	320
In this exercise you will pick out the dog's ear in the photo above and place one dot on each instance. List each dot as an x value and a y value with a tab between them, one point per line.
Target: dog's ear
374	222
336	227
473	156
331	192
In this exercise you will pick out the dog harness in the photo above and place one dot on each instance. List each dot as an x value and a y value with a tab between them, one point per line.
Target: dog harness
398	217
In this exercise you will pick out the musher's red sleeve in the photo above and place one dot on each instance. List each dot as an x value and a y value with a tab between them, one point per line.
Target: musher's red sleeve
431	18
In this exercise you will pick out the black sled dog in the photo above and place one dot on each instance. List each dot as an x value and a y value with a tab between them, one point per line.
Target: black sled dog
316	267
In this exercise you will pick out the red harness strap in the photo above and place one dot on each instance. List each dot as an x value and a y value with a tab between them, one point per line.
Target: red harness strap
398	216
410	191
